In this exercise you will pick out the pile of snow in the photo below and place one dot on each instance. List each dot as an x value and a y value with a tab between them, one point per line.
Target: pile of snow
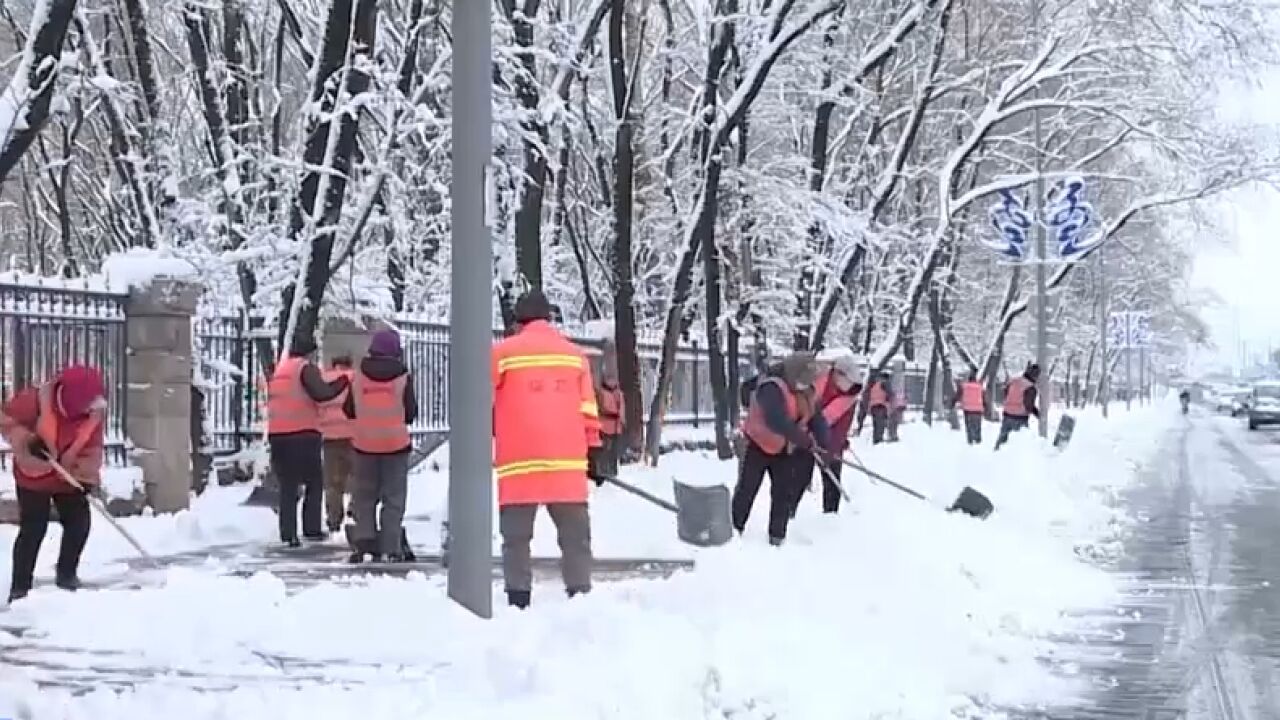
891	609
136	268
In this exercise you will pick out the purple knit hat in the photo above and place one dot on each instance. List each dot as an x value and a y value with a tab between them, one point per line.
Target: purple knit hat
385	343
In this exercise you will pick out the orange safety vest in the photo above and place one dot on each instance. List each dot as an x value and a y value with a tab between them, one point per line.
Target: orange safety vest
755	427
839	405
611	409
379	427
47	430
877	396
1014	393
289	408
334	423
971	397
545	417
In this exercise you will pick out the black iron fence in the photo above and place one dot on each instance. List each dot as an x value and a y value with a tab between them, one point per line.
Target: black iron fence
231	373
44	328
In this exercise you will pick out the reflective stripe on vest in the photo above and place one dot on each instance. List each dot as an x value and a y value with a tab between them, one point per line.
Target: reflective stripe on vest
289	408
379	427
877	397
610	410
971	396
755	427
47	430
334	423
1014	394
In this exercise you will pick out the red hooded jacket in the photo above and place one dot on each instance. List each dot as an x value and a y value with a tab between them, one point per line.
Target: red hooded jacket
63	413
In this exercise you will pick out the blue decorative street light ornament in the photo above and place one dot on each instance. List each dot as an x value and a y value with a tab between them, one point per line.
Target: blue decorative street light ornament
1012	222
1067	218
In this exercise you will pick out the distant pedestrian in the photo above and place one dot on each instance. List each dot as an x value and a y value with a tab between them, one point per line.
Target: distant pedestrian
1019	403
973	402
381	405
336	429
837	392
782	428
294	394
61	420
545	422
877	405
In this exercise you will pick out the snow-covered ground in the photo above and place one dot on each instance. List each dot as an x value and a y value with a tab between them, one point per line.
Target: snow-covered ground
890	609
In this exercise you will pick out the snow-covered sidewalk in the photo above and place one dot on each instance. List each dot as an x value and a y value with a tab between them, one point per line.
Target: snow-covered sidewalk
891	609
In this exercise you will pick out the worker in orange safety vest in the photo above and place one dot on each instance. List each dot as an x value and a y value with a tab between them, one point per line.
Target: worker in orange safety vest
972	398
876	403
335	429
837	391
1019	403
382	405
294	394
783	429
612	414
545	422
61	420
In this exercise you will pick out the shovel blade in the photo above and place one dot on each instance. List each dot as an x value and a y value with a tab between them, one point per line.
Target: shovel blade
702	518
972	503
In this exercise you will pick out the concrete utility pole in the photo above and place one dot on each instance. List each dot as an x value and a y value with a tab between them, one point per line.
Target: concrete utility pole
1042	311
470	538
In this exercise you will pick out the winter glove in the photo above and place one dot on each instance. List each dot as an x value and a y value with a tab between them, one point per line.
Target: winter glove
593	466
39	448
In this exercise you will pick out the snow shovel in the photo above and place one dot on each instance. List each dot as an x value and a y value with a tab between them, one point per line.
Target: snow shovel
970	501
702	513
98	505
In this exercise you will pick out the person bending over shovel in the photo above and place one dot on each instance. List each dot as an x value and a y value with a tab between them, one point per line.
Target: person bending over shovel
63	421
782	429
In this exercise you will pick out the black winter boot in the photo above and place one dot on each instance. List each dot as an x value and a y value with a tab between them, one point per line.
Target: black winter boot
519	598
775	541
575	591
17	594
70	583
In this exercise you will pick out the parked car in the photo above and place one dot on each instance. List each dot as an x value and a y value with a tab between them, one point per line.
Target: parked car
1232	400
1264	404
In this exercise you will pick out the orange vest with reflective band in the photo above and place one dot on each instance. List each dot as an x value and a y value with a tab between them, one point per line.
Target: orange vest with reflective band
877	397
379	427
544	417
843	403
971	396
289	408
755	427
47	430
334	423
1014	393
611	408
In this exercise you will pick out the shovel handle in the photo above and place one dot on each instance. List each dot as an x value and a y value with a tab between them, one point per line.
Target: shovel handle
644	494
831	476
877	476
102	509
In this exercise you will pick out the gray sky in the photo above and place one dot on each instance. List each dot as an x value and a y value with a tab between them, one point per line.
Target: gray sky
1243	267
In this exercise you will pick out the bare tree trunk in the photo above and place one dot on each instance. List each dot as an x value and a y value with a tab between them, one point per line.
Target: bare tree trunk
624	311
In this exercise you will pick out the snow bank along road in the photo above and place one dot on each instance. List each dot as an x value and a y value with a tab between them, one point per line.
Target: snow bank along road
1060	605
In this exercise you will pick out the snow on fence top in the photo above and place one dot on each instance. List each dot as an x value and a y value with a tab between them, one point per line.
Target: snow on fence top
121	272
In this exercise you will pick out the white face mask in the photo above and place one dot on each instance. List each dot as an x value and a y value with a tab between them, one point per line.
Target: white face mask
99	403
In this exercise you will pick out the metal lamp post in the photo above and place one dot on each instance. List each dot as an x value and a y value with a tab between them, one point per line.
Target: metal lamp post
470	533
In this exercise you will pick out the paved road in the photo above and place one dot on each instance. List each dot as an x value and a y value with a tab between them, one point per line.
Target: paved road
1198	636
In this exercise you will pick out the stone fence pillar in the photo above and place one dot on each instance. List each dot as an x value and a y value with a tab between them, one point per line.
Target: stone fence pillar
158	415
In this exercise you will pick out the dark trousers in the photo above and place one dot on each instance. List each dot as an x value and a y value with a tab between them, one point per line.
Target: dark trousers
785	487
973	427
378	501
879	422
34	507
806	464
295	458
1010	424
610	446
